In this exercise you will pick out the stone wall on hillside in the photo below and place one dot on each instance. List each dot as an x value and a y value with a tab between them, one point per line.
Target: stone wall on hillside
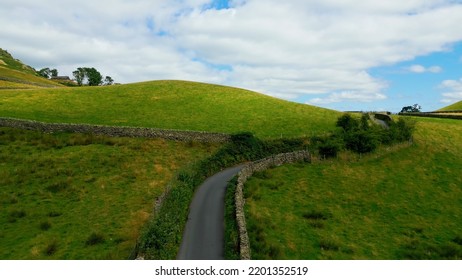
117	131
247	172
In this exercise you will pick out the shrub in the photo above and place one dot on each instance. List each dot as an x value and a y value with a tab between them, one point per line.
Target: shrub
45	225
330	147
316	215
53	214
329	245
51	248
94	239
361	141
347	122
15	215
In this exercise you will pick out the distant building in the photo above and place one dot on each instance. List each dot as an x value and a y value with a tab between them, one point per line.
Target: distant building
61	78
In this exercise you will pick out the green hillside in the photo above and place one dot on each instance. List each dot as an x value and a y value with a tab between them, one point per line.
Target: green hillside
454	107
81	196
401	202
169	105
16	75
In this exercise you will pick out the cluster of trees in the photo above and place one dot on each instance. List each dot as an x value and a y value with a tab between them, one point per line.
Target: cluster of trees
362	135
48	73
411	109
90	77
83	76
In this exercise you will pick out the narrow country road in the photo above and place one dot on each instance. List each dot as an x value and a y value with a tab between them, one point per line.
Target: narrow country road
203	237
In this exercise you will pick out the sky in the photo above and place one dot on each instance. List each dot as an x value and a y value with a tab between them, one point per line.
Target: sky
341	54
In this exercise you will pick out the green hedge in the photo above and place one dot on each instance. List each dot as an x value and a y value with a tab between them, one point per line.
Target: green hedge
361	135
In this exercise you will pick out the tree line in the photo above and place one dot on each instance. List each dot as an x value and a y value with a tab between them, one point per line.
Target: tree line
87	76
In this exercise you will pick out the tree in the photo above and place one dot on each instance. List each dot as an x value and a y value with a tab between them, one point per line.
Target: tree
48	73
44	72
411	109
88	76
94	77
54	73
108	81
79	75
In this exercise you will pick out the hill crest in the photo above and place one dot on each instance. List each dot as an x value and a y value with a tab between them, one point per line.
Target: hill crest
14	74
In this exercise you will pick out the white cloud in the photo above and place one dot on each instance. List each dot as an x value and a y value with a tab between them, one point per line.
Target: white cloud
284	48
421	69
347	96
454	91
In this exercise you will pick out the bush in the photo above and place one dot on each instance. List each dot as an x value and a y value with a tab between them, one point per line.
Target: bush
330	147
51	248
94	238
360	136
45	225
361	141
347	122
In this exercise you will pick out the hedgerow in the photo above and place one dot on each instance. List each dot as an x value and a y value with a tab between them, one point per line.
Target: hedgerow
361	135
162	235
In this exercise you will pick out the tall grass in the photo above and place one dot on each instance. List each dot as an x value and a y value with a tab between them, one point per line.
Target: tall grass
77	196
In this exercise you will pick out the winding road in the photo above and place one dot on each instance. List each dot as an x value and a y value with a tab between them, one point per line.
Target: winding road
203	237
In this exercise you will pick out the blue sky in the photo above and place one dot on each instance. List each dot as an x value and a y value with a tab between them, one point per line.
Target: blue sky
407	87
339	54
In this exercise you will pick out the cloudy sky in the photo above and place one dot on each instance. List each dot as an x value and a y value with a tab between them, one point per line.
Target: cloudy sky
340	54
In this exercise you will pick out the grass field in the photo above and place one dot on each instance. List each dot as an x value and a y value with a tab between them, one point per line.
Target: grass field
169	105
74	196
400	203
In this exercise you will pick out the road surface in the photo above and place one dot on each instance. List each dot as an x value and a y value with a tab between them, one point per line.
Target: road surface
203	237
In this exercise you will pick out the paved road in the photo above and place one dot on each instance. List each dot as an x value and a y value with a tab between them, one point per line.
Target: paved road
204	231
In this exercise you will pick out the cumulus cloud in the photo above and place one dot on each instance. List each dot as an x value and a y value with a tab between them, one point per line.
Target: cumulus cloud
287	49
422	69
453	91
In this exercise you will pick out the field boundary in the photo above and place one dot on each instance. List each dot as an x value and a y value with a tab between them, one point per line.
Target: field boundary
117	131
247	172
436	114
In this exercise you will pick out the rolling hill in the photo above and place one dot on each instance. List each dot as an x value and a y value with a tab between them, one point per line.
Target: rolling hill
51	179
169	105
16	75
454	107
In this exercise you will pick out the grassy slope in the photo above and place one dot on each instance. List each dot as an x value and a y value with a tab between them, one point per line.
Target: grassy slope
453	107
15	74
172	105
403	204
57	190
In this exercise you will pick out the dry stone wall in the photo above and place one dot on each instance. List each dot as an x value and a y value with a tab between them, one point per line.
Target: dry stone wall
247	172
117	131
